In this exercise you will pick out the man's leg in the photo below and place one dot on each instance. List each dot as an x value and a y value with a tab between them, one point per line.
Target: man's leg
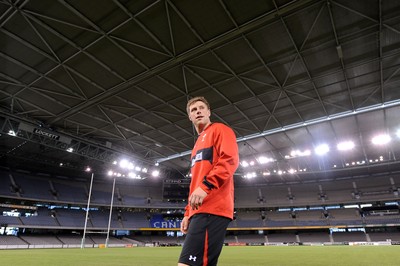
216	231
204	241
193	248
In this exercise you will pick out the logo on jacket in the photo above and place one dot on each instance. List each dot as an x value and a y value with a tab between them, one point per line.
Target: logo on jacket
205	154
198	157
193	258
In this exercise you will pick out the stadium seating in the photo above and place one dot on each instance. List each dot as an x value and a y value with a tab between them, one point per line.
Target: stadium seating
135	220
254	239
11	240
314	237
73	192
10	221
71	218
41	240
32	187
384	236
135	205
73	239
349	237
281	238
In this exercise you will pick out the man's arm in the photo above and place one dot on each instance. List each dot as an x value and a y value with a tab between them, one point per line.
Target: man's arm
185	224
228	159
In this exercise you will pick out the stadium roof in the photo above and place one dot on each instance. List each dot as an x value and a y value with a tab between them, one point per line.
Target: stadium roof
110	79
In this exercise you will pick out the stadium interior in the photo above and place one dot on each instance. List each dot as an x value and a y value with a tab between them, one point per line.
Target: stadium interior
95	139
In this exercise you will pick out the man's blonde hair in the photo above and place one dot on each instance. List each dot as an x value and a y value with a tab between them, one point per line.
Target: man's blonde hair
196	99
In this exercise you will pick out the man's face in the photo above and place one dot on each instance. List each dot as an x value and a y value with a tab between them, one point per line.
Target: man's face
199	113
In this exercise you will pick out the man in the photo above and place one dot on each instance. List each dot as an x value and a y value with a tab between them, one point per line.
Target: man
210	204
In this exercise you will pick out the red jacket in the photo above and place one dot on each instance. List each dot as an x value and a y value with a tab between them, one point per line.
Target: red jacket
215	158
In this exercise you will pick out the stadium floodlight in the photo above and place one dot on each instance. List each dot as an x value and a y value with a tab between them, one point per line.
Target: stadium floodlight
351	206
398	133
381	139
155	173
299	153
132	175
124	163
322	149
365	205
292	171
250	175
264	160
345	145
244	164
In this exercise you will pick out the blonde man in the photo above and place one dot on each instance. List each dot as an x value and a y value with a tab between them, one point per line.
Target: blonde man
214	160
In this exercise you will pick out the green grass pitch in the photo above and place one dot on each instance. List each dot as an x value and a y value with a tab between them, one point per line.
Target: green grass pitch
230	256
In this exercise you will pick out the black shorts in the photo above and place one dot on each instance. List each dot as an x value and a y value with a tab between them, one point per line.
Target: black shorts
204	240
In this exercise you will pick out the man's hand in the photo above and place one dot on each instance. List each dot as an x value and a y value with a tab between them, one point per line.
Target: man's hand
185	224
197	197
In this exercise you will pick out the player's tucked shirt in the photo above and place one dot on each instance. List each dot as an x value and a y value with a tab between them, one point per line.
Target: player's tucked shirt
214	159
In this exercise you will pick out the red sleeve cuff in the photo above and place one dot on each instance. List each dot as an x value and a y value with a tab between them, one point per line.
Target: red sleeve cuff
205	188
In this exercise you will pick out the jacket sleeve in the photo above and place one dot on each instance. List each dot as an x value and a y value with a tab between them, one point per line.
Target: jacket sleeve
227	159
186	211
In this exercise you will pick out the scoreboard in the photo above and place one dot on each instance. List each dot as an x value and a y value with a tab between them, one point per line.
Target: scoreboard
176	190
